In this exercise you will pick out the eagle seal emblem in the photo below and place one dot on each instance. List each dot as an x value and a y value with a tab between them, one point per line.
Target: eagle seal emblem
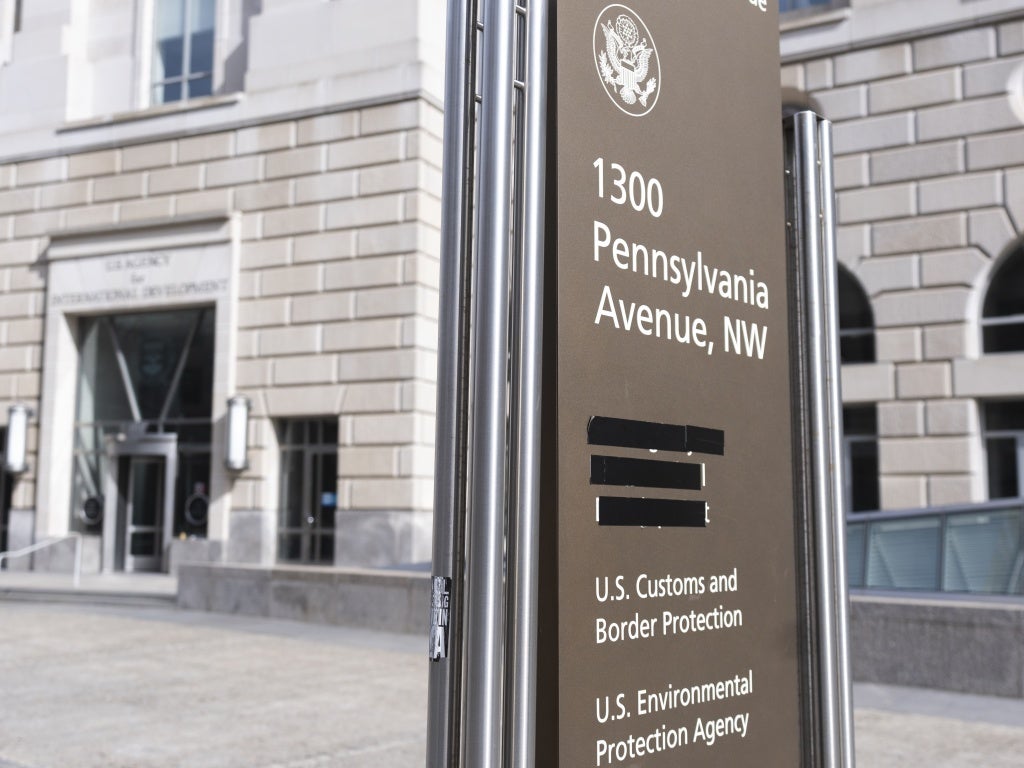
627	60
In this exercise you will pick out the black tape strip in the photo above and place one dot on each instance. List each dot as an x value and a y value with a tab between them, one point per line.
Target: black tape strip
629	433
651	513
646	473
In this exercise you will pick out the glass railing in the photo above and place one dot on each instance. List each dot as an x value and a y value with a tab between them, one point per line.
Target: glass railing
974	549
786	6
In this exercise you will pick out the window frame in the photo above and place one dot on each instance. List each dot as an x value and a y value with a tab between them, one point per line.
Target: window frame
187	76
864	334
6	488
849	441
145	42
314	528
1017	435
1013	259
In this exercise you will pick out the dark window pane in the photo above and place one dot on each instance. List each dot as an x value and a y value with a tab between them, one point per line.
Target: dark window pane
202	86
143	544
860	420
171	53
192	434
201	54
291	489
857	348
201	14
1004	414
192	493
165	94
193	397
326	553
5	496
1005	298
856	321
1003	338
864	480
101	391
860	429
1003	482
309	472
153	344
290	547
1006	290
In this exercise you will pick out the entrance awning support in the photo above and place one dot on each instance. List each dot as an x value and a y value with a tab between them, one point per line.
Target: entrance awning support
122	367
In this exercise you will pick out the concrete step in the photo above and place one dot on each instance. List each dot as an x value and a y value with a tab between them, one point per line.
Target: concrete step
118	589
89	597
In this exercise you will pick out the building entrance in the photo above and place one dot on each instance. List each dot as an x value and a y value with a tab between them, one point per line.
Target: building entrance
139	507
141	472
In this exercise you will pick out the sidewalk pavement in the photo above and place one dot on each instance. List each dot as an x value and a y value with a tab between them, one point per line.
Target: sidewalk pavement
87	686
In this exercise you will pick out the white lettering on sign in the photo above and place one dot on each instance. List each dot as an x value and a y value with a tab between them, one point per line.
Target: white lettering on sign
761	5
695	276
706	730
144	278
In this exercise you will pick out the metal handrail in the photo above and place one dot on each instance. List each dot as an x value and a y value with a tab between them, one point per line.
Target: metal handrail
948	509
76	573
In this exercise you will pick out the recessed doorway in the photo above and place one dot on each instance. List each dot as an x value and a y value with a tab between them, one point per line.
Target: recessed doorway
143	433
139	509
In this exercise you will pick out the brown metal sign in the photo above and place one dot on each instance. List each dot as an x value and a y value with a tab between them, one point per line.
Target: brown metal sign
678	636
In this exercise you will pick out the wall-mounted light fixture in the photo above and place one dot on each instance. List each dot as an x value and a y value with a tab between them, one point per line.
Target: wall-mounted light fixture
236	455
16	449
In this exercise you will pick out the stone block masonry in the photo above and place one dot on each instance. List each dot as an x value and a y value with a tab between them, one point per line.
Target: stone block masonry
929	141
338	249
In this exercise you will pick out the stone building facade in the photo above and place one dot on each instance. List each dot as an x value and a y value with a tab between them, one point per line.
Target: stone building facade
203	199
927	101
206	199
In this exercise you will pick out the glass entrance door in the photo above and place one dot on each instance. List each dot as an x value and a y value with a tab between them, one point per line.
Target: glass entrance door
141	497
138	515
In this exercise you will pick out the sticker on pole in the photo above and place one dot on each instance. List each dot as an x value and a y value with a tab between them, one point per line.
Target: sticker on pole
440	616
627	60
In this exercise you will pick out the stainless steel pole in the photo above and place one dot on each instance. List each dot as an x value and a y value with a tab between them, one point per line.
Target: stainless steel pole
523	592
806	151
844	723
445	686
485	631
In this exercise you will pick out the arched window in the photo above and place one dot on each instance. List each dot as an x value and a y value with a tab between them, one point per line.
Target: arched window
860	422
856	321
1002	317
